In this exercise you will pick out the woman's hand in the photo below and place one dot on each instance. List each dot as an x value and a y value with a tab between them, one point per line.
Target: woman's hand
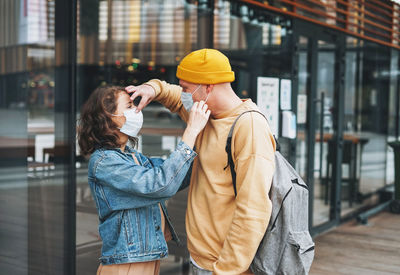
145	91
198	117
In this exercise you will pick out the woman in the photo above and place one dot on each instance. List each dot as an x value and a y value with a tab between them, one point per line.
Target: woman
130	189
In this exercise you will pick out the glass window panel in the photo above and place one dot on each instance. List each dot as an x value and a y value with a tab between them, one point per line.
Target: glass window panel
32	182
367	117
393	103
324	129
303	91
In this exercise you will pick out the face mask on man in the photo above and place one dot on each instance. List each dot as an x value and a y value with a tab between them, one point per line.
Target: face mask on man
133	123
187	98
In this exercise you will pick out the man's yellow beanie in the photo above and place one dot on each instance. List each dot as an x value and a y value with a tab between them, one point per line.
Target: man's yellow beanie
205	66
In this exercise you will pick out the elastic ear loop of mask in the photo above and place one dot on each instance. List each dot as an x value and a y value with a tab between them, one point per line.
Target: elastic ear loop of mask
206	98
197	90
117	115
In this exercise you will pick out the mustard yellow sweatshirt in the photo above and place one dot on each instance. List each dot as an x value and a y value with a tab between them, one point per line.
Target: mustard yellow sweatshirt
223	231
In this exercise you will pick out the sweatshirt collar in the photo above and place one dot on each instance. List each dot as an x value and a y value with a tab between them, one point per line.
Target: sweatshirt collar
235	111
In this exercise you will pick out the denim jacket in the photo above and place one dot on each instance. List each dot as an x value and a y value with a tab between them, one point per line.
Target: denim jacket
127	198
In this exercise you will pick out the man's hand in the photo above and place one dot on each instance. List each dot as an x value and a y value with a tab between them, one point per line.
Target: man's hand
145	91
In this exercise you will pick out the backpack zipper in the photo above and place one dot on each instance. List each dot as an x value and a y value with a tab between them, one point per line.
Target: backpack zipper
301	185
284	198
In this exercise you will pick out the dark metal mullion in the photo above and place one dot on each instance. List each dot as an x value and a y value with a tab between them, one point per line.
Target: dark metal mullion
397	98
335	208
109	43
205	24
211	29
312	65
71	185
295	89
357	87
65	124
321	135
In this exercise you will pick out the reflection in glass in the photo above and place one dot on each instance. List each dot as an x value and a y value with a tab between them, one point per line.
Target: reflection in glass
319	120
366	118
324	126
394	75
32	186
303	92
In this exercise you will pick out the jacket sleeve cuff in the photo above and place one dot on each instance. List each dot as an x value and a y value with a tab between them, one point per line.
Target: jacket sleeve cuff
184	149
156	85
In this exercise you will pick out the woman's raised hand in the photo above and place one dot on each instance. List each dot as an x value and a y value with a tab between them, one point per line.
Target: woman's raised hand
198	117
145	91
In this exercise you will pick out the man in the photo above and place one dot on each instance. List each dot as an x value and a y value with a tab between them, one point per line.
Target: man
223	231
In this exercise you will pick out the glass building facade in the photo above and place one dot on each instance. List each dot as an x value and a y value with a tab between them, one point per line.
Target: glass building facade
343	72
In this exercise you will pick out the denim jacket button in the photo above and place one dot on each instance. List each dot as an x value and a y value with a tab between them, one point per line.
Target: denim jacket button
157	228
188	151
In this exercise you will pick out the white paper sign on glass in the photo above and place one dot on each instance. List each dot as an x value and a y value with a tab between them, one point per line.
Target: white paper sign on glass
268	100
288	124
286	94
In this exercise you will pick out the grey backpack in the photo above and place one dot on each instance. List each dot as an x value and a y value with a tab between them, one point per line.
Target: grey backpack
287	247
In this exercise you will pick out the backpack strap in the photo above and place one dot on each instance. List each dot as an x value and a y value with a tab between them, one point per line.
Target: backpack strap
228	148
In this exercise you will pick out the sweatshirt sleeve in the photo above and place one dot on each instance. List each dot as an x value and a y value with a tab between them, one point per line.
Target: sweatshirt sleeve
169	95
253	148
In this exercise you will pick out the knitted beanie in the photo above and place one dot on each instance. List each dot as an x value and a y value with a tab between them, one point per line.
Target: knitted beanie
205	66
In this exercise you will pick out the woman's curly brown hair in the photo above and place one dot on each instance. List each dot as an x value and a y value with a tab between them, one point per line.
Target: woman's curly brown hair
96	128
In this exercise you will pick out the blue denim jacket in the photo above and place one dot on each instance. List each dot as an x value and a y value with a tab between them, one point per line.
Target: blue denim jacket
127	197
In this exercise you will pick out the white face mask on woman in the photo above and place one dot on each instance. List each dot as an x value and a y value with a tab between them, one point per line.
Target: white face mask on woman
133	123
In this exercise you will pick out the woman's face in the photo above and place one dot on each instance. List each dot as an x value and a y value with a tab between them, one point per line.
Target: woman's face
123	103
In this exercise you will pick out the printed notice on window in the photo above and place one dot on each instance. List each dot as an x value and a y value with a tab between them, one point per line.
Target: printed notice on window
286	94
268	100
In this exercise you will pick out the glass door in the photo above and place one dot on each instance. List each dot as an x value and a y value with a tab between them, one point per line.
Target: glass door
324	127
317	117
